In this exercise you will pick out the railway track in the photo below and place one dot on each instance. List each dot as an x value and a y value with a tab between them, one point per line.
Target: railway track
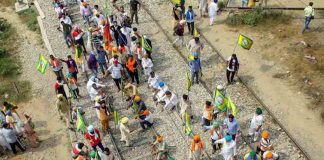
208	87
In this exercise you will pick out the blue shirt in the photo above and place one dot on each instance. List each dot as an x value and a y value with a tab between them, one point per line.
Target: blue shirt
101	56
9	135
194	65
190	16
232	126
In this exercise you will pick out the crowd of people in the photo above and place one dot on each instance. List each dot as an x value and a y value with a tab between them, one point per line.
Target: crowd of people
114	49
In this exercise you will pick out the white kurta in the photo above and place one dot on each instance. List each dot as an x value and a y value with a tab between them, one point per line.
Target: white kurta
125	133
147	65
170	102
161	92
127	32
154	82
3	141
213	8
228	150
256	121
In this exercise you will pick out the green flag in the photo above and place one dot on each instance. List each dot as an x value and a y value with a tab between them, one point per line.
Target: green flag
145	44
222	106
188	82
244	42
80	121
176	1
231	106
42	64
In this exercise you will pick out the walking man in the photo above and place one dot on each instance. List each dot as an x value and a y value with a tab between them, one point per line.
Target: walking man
94	138
233	128
66	29
131	66
135	6
59	88
309	15
232	68
179	30
256	124
102	59
116	71
213	8
195	46
190	20
124	130
195	69
10	136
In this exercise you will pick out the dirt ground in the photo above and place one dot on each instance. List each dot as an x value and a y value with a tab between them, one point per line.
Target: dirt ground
55	141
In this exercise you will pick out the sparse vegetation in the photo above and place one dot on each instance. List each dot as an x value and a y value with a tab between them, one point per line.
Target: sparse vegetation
257	16
7	87
7	3
29	17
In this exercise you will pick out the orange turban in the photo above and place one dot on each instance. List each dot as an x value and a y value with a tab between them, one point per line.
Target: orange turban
265	134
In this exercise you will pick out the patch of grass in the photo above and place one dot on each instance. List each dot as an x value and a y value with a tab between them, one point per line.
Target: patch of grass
7	3
7	33
258	16
29	16
24	88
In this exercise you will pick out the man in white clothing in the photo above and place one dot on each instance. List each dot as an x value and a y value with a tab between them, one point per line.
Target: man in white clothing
147	65
153	81
171	100
160	91
213	8
256	124
229	147
93	80
124	130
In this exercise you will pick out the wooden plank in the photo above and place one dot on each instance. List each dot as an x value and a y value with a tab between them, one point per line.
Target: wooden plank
40	12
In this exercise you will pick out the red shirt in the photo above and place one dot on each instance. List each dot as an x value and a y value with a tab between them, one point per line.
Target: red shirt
93	140
56	86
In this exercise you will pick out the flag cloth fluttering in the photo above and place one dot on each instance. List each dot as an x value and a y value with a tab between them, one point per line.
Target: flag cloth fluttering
42	64
244	42
223	106
231	106
188	82
80	121
145	44
196	33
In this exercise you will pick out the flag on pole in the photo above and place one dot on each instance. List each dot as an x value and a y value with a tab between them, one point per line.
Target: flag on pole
244	42
231	106
196	33
42	64
116	118
220	101
145	44
188	82
80	121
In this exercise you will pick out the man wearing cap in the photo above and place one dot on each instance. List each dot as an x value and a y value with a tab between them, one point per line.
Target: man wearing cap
79	149
124	130
116	71
94	138
196	148
229	147
252	156
101	156
185	108
232	126
161	147
216	133
138	105
179	30
160	91
170	100
269	155
63	107
195	67
265	144
256	123
146	118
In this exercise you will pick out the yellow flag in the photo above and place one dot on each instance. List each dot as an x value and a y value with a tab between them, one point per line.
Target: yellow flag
176	1
188	82
244	42
196	33
231	106
222	107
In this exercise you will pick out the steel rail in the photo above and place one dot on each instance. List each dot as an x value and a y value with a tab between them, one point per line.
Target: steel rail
112	139
306	155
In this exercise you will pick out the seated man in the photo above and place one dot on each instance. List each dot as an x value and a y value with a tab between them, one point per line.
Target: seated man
146	118
160	91
171	100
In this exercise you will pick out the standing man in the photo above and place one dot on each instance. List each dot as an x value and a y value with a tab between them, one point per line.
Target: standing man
94	138
202	7
131	66
195	66
232	68
115	28
92	64
229	147
256	124
66	29
195	46
185	107
176	12
57	66
309	15
124	130
102	58
10	136
190	20
213	8
232	126
58	86
72	67
244	3
116	71
135	6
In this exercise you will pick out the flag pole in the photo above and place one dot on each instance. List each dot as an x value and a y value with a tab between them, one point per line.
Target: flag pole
236	44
